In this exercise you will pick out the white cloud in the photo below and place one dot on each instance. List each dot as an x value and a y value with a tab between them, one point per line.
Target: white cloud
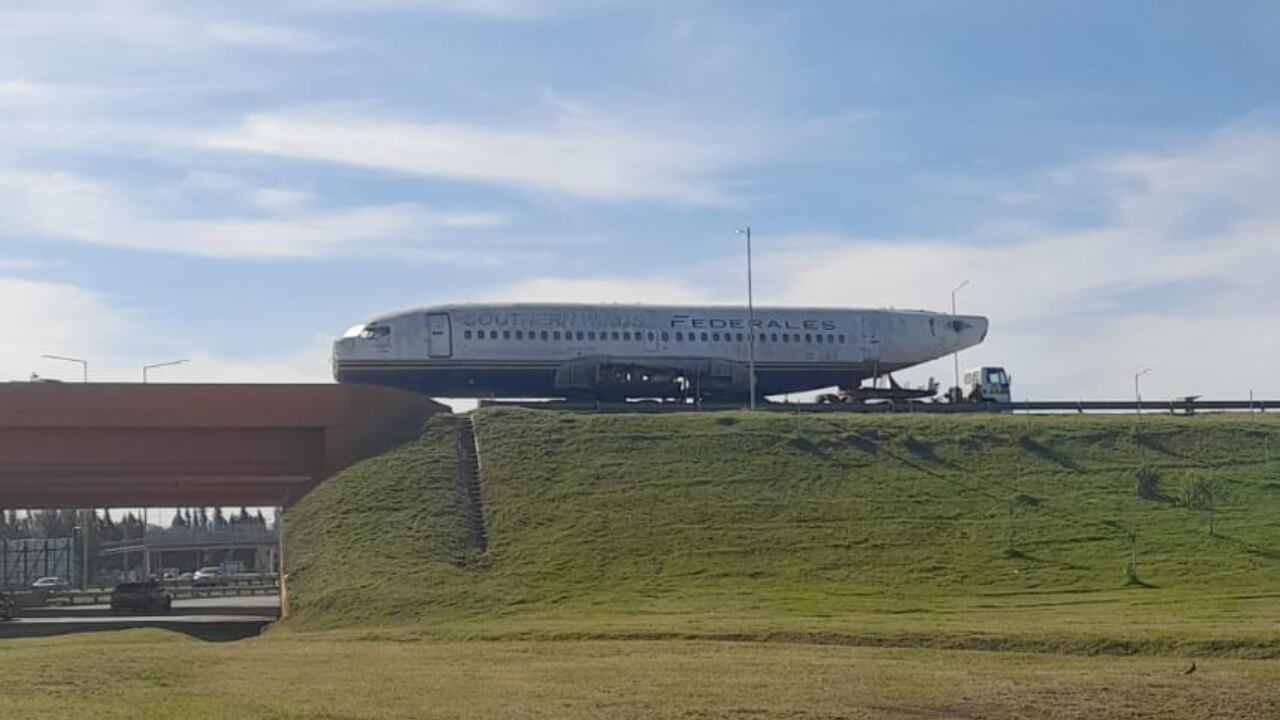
577	155
18	95
277	200
308	363
141	26
600	290
49	318
69	207
1181	274
118	32
62	319
265	36
497	9
15	263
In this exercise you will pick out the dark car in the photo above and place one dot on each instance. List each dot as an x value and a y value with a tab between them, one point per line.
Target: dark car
147	596
7	607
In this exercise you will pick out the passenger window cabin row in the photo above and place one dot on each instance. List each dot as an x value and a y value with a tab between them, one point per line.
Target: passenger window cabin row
639	336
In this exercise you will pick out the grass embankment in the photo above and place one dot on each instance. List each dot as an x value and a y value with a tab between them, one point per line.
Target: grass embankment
951	532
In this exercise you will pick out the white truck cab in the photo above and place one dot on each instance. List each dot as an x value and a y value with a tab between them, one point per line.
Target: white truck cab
987	384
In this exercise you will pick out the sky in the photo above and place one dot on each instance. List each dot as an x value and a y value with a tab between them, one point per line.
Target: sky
236	183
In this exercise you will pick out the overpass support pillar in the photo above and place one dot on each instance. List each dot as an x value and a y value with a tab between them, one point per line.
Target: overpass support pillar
283	575
88	528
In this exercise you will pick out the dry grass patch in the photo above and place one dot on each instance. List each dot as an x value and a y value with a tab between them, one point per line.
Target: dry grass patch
152	675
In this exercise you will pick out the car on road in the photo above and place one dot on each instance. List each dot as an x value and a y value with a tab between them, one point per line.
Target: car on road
51	585
208	577
149	596
7	607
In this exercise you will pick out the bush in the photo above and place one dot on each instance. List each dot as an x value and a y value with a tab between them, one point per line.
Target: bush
1204	497
1147	484
1022	500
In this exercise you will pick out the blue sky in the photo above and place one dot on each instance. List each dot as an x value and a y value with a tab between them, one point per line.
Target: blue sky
237	183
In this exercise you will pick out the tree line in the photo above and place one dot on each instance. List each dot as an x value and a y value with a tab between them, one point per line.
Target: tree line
66	523
201	518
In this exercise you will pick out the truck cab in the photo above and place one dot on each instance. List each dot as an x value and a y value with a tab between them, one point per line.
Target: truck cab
987	384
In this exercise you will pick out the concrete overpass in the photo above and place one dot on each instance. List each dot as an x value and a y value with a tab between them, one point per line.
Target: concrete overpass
131	445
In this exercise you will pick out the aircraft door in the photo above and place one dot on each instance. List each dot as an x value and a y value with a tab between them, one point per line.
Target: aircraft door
872	338
650	339
439	335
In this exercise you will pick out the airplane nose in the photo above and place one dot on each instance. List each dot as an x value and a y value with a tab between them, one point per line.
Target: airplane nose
341	351
973	331
969	330
981	324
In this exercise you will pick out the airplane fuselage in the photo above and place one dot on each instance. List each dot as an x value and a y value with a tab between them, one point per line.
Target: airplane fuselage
561	350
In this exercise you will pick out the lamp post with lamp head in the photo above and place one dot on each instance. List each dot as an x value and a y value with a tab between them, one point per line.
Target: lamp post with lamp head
956	354
751	323
145	368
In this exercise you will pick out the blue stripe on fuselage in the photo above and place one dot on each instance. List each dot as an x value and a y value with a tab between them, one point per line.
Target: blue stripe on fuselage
467	379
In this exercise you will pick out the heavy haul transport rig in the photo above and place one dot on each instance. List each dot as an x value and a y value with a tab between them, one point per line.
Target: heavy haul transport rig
988	384
620	352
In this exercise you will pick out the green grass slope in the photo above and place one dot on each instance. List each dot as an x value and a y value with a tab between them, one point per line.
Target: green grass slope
974	531
364	541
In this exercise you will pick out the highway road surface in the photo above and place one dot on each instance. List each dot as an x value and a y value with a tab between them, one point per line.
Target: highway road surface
222	618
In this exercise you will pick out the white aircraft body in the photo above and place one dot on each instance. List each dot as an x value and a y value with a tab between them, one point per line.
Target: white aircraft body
641	351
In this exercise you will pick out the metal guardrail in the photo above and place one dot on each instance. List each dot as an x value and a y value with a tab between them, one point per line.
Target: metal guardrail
180	592
1184	406
1187	407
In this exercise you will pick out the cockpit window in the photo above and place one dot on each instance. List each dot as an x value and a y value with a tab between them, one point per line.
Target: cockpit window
373	332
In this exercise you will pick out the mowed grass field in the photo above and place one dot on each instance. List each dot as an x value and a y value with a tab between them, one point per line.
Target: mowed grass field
145	675
739	565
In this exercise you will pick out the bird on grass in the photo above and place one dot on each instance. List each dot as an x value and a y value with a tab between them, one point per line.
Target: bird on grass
1191	669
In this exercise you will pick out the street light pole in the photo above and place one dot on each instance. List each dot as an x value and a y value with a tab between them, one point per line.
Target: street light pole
145	368
751	322
1137	390
956	355
146	551
86	518
84	364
